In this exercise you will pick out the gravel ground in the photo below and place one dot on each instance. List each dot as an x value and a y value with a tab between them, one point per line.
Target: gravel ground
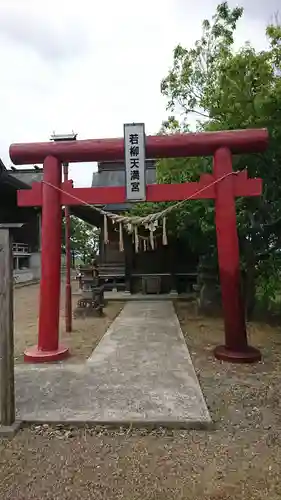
82	340
241	459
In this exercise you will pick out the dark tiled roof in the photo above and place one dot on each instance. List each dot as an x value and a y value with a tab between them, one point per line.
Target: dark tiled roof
6	178
27	175
113	174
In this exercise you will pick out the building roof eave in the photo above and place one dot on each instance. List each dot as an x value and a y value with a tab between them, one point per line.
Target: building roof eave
12	181
7	178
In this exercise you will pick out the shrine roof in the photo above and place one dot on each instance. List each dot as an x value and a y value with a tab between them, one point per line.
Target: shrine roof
113	174
27	175
8	179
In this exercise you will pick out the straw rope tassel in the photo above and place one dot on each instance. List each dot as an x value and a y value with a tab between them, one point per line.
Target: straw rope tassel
164	235
121	241
105	230
136	239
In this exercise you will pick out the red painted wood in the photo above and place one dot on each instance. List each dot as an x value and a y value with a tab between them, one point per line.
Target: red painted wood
165	146
155	192
252	187
68	293
30	197
229	262
50	262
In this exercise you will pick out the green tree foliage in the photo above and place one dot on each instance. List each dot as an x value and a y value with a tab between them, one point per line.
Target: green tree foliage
84	239
227	89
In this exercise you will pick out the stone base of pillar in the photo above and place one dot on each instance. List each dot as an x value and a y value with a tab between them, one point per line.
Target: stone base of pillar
249	355
35	355
9	431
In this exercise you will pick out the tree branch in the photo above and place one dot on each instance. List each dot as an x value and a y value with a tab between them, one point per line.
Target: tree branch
189	110
267	253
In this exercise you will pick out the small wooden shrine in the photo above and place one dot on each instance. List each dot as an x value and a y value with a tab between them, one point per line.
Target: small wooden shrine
149	268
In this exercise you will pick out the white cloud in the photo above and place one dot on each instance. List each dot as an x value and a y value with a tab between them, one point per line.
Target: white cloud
52	36
91	66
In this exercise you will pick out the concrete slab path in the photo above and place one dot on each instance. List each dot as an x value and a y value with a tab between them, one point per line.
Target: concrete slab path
141	373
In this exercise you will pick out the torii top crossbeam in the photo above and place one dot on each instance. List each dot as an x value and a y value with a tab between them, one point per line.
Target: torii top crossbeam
172	146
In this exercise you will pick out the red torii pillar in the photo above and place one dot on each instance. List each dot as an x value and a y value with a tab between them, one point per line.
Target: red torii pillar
48	195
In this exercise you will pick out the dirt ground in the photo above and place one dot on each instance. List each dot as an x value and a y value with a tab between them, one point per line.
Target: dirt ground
82	340
240	459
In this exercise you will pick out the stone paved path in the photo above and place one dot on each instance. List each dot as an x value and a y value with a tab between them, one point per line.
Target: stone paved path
140	373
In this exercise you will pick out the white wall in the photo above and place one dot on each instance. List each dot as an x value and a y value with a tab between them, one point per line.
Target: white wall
35	264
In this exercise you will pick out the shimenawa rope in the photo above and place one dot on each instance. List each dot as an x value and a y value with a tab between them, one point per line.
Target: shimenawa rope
149	221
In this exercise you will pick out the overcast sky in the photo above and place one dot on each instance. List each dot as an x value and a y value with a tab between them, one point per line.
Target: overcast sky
90	65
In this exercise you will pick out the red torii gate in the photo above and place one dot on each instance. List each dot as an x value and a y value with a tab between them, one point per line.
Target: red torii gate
51	194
